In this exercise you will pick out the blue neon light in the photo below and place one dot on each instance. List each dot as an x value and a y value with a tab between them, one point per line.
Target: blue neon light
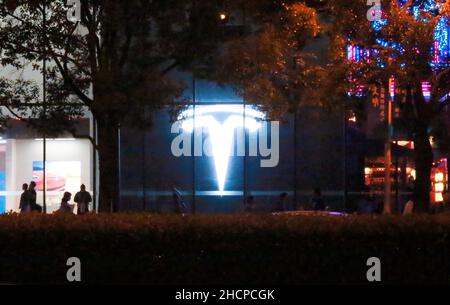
441	48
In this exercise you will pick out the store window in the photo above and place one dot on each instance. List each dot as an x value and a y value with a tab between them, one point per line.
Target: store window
68	164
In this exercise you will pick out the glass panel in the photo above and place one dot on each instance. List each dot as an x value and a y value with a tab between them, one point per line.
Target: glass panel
270	166
3	193
320	156
17	159
68	165
168	165
132	167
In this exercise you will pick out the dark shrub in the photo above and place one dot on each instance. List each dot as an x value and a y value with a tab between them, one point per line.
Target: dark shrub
218	249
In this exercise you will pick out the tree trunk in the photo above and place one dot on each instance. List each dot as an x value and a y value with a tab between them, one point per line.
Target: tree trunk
423	163
108	167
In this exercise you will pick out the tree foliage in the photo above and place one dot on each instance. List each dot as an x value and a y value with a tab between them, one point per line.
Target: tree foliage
401	45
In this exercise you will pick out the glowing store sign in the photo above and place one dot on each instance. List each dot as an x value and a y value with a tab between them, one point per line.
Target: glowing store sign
426	90
392	87
221	123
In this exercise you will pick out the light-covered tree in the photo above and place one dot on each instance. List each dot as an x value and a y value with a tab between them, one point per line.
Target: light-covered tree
400	45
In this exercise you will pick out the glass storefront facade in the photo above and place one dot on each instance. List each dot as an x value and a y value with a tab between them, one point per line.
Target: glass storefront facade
306	150
220	151
68	164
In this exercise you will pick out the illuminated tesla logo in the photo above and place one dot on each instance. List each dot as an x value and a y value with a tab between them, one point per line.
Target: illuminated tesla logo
222	122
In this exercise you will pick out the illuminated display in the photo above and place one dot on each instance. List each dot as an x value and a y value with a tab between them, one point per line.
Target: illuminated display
221	133
426	90
392	87
439	181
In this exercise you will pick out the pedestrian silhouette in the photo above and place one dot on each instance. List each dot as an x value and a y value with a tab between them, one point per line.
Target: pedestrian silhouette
24	205
65	207
82	199
317	200
249	206
282	202
34	207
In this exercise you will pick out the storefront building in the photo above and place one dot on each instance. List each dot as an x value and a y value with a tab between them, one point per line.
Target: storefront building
219	151
222	151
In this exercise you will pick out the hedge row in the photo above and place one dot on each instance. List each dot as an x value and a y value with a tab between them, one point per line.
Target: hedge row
224	249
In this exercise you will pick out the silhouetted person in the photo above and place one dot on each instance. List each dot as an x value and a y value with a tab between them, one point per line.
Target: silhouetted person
82	198
369	204
282	203
317	200
408	207
65	206
24	205
33	197
249	204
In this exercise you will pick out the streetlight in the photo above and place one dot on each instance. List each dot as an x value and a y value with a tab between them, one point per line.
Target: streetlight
223	17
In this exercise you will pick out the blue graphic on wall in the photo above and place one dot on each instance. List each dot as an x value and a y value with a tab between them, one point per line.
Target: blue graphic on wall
2	189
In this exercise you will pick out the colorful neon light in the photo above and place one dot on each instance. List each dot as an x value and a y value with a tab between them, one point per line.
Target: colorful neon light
392	87
426	90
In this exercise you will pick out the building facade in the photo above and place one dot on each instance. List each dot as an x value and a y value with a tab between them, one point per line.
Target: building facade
219	151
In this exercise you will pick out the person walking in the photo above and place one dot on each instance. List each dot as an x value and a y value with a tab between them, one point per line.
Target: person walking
34	207
368	204
317	200
249	206
24	205
82	199
282	203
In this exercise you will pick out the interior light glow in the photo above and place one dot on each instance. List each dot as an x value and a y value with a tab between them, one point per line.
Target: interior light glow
439	187
55	139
